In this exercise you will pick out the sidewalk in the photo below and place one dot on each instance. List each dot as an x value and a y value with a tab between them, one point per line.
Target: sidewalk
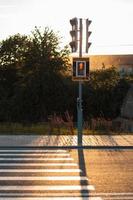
39	140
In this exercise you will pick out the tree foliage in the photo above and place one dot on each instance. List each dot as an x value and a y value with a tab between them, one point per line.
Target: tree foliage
31	76
105	95
34	84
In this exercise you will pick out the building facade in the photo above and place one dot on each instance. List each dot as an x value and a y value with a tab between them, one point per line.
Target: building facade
123	63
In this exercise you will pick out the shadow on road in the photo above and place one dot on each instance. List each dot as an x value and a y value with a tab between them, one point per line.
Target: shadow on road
82	166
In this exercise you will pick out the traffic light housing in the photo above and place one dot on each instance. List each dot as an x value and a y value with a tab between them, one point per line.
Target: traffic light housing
88	33
80	69
74	34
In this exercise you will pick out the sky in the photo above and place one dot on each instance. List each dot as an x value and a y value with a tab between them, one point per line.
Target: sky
111	27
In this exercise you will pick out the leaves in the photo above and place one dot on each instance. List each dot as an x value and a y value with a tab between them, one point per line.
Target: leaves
35	81
31	69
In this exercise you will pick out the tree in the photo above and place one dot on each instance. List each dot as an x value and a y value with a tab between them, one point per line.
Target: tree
45	66
104	94
12	60
31	76
13	50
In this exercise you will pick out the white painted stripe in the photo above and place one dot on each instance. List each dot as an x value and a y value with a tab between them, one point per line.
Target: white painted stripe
32	150
48	178
11	159
40	170
50	198
47	187
35	154
38	164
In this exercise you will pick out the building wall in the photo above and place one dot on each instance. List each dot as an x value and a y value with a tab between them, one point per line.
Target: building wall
124	63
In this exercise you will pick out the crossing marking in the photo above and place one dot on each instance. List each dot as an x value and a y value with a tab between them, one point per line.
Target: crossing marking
47	188
4	159
40	170
15	158
35	154
38	164
48	178
33	151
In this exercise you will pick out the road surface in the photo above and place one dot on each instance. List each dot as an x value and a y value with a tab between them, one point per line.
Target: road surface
60	174
109	171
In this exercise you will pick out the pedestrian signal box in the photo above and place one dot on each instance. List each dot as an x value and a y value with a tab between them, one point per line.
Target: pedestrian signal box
80	69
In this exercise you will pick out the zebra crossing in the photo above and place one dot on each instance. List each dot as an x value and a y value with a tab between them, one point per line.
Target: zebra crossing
38	174
27	174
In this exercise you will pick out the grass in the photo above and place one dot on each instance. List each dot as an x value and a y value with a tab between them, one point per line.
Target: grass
17	128
45	129
37	128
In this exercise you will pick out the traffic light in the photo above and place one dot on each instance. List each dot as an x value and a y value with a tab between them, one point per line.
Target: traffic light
88	33
80	69
74	34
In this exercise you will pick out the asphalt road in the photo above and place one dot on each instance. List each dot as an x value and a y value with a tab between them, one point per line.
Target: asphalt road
110	171
48	174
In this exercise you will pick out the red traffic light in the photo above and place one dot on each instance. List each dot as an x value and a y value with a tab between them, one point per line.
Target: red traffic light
81	68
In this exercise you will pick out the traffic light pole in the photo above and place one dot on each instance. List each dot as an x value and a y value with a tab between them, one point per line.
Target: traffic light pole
79	99
80	67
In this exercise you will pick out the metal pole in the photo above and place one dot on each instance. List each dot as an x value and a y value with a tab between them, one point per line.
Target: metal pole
79	99
80	39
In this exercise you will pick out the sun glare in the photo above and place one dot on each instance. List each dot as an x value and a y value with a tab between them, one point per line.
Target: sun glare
110	20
